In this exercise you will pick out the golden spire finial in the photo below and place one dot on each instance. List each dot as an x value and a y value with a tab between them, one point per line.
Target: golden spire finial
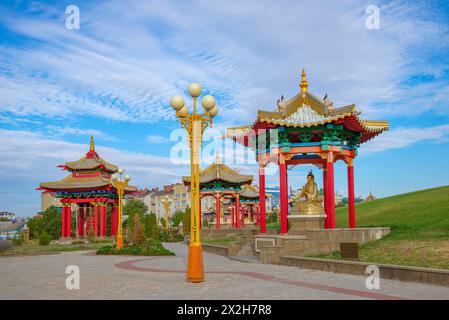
304	84
217	158
92	143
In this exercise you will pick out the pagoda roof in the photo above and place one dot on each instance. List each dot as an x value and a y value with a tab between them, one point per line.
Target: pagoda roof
249	191
307	110
91	160
78	182
221	172
86	163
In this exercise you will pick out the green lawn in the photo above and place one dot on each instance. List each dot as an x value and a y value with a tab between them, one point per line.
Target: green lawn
222	241
419	223
420	215
33	248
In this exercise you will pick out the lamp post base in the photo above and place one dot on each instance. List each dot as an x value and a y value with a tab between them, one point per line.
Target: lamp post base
119	242
195	272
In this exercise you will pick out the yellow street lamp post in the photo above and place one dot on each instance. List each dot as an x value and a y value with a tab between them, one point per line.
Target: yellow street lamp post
166	202
195	124
120	184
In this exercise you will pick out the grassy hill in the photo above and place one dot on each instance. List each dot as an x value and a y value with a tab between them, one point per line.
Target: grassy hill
420	215
419	223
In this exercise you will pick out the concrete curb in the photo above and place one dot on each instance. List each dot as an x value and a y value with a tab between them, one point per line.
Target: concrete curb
402	273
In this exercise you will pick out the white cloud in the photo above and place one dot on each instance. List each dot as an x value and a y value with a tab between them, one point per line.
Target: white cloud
156	139
404	137
128	58
64	131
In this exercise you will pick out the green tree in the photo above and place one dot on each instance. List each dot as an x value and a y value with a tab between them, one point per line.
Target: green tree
149	220
135	206
49	222
136	235
186	221
177	218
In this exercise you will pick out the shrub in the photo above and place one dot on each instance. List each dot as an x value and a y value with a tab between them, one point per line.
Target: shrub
175	236
5	245
163	236
272	216
150	247
18	241
44	239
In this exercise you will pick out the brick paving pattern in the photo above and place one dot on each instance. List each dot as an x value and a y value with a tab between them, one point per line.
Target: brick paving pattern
126	277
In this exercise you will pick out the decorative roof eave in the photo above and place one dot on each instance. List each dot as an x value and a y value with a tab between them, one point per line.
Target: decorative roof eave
86	163
220	172
249	191
306	99
245	179
70	183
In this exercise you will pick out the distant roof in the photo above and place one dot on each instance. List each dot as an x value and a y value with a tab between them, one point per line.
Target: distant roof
91	160
13	226
220	171
249	191
370	197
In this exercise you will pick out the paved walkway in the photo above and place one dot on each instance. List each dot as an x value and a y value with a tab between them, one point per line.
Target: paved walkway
114	277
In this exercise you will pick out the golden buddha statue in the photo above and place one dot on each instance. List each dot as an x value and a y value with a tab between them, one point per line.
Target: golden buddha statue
309	200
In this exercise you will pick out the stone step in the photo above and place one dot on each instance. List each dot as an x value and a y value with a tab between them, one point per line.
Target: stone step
245	259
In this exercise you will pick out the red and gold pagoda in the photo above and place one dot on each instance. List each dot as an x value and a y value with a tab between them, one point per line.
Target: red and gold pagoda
88	188
307	130
218	181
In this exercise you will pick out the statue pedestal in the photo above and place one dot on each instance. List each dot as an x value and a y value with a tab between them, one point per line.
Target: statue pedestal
300	223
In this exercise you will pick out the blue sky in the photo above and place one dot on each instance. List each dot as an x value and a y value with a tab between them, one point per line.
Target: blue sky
115	75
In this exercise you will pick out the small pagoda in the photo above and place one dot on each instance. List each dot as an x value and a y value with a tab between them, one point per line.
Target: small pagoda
89	190
249	199
307	130
220	181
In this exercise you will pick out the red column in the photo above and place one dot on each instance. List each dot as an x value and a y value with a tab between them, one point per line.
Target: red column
232	217
217	211
330	189
325	196
237	211
351	195
80	221
113	220
257	215
251	213
69	220
243	216
102	220
283	196
263	209
96	219
64	221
